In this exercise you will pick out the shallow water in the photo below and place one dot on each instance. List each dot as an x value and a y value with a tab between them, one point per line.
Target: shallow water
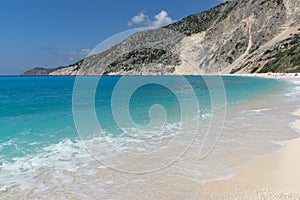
177	137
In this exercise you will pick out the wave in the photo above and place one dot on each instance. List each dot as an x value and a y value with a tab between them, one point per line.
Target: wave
70	155
294	90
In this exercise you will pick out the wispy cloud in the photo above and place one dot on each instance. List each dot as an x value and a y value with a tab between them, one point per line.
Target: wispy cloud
159	20
84	51
74	53
64	54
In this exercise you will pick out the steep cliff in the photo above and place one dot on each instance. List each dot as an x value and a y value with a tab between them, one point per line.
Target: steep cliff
238	36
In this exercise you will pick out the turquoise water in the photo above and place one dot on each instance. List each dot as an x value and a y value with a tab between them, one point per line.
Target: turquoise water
37	122
37	111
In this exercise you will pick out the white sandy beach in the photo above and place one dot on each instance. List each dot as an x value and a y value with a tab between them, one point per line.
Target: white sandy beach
274	176
283	76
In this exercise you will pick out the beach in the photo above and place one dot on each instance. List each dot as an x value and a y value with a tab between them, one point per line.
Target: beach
43	157
273	176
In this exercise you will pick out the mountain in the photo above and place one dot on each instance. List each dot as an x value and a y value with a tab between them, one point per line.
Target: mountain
39	71
238	36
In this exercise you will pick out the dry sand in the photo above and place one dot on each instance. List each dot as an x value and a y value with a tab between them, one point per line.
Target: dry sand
274	176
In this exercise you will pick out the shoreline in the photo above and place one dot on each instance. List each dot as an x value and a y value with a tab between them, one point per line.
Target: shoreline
271	176
283	76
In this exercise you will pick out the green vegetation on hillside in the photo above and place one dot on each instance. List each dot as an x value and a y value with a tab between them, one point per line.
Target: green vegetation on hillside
135	59
284	58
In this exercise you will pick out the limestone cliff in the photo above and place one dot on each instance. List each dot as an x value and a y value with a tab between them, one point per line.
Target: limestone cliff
238	36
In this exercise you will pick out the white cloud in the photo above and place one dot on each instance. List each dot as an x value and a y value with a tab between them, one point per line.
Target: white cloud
159	20
138	19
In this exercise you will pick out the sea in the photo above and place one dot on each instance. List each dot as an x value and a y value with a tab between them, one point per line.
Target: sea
133	137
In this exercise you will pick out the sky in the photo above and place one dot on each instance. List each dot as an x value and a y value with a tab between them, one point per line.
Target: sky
52	33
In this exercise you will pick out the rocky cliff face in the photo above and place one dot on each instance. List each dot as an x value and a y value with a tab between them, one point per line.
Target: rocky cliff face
38	71
238	36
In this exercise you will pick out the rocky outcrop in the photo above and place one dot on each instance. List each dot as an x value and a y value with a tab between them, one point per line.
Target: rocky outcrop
201	22
38	71
238	36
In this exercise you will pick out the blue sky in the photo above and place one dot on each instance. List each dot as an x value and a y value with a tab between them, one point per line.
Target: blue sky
51	33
